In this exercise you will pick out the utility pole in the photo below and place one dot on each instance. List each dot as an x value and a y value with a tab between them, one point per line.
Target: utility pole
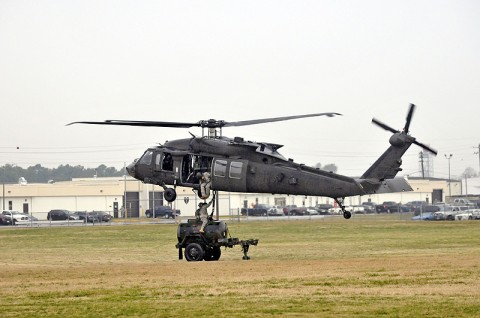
449	183
421	162
478	153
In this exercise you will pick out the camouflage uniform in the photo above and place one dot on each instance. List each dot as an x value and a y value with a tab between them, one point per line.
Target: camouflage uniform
203	213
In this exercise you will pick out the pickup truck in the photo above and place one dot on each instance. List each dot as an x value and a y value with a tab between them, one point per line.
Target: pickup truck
449	213
257	210
464	202
16	216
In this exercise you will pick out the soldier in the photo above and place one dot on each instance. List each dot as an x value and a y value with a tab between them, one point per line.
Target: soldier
205	183
203	213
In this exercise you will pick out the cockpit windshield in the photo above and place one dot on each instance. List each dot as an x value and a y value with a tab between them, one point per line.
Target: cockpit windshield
146	158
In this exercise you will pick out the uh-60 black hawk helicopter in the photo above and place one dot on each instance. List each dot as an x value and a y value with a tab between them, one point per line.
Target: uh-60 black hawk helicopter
217	163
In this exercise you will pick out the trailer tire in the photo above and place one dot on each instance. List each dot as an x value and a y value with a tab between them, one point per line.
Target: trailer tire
194	252
213	254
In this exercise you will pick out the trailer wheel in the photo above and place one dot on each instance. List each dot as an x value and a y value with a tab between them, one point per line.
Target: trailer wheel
194	252
213	254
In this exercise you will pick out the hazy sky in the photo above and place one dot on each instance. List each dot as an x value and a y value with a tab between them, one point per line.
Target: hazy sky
65	61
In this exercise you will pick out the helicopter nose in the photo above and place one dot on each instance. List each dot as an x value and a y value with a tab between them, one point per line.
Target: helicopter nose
131	169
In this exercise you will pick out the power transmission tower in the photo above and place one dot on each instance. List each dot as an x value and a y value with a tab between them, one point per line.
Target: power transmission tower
426	164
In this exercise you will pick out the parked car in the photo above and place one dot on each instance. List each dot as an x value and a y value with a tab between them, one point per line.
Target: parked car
311	211
464	202
358	209
323	208
257	210
391	206
467	215
369	207
61	215
295	210
416	205
16	216
447	212
428	216
103	216
30	217
287	208
5	219
431	208
275	210
162	211
88	217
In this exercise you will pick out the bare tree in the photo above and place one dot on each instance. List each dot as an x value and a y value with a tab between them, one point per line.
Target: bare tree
469	173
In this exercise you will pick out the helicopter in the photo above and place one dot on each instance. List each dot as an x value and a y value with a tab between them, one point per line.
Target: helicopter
213	162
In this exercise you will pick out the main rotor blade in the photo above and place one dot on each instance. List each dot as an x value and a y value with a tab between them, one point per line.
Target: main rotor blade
210	123
270	120
409	118
384	126
425	147
139	123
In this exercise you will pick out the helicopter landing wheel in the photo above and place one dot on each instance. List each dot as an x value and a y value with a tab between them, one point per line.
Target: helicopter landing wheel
170	194
347	214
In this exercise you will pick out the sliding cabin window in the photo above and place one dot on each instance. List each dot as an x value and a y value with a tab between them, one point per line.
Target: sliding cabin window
220	168
236	169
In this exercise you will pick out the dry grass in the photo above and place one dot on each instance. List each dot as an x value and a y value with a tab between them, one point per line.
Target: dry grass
367	267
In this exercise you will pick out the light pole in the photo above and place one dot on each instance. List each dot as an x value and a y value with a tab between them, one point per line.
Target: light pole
449	183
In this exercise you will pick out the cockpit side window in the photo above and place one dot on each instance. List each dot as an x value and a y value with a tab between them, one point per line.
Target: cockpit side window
146	158
158	156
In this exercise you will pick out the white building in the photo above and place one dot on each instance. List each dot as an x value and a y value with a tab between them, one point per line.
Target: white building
109	194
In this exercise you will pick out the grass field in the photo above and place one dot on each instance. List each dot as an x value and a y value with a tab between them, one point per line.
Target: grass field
363	267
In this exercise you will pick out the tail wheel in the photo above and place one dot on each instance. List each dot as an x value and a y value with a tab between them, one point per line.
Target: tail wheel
194	252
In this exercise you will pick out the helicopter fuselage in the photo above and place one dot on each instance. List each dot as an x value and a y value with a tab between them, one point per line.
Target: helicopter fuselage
237	165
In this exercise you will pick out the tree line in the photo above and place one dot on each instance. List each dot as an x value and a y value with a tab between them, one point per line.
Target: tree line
11	173
38	174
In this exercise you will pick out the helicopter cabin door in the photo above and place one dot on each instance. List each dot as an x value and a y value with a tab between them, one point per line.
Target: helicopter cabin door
229	175
193	166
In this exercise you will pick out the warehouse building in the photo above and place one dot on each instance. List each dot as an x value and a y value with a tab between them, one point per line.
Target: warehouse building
129	198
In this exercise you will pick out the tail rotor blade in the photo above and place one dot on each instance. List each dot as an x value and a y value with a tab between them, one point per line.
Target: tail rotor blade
409	118
427	148
384	126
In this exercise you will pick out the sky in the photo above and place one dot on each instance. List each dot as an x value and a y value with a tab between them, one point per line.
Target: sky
67	61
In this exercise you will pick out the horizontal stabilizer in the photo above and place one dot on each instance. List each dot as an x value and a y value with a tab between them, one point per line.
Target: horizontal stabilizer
385	186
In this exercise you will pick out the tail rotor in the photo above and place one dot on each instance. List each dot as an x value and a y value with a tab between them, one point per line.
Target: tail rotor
405	130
